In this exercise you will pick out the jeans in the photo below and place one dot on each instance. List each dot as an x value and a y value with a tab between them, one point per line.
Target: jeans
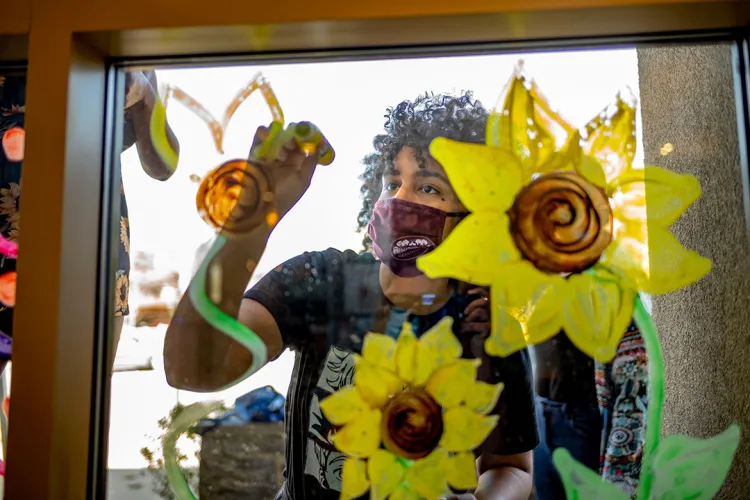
577	428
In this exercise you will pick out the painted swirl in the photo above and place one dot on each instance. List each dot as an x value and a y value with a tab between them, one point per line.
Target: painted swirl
236	197
561	223
412	424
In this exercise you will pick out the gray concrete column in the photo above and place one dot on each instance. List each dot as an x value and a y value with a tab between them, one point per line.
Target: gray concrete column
687	99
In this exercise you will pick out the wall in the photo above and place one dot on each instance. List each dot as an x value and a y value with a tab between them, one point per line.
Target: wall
687	99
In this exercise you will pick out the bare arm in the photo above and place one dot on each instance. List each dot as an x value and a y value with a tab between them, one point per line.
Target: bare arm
199	358
504	477
139	119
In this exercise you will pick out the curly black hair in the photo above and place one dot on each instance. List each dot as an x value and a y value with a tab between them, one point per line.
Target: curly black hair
415	124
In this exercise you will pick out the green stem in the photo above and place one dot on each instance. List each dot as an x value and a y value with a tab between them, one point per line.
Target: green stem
229	326
655	393
223	322
180	425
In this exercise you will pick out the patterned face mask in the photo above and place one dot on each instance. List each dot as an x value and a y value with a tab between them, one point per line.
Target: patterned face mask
402	231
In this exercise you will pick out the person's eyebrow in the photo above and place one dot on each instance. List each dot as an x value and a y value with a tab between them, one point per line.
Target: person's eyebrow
391	171
431	173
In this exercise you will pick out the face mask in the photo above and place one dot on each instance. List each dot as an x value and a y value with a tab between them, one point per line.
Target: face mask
401	231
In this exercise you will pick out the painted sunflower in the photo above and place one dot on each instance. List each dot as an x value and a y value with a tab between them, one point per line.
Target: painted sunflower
560	225
412	418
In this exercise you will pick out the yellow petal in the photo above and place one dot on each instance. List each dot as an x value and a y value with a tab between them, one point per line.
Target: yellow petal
596	313
524	123
485	179
374	384
627	255
424	367
404	493
380	350
449	383
672	266
611	139
406	353
385	472
343	405
414	363
544	319
474	252
525	308
464	430
461	471
441	341
353	479
655	262
653	194
427	476
591	170
506	334
361	437
533	298
482	397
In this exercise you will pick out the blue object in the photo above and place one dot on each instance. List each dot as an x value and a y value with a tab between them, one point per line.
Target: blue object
6	344
260	405
577	428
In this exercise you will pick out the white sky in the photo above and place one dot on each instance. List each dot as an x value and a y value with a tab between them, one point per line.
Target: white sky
347	101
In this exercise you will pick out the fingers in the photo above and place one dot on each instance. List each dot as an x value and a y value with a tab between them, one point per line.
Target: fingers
480	328
481	301
477	314
480	313
287	151
482	292
311	161
260	135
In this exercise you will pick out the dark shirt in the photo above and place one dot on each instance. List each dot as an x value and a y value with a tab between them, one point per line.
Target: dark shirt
563	373
324	303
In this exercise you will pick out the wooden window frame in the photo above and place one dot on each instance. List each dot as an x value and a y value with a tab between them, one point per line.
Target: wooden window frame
57	441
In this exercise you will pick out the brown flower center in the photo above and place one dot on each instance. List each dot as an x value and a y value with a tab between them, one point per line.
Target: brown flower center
235	196
412	424
561	223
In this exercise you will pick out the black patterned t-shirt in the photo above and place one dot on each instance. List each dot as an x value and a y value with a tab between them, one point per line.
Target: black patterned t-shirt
324	303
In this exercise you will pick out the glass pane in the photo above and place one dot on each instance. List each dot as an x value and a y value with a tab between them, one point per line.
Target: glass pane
398	253
12	132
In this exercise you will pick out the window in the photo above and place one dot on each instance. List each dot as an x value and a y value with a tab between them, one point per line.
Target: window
324	303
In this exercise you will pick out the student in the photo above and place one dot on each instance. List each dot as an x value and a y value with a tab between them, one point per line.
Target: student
321	304
139	101
140	96
566	411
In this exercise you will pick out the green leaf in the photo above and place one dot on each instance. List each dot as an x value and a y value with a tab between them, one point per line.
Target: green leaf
685	467
581	483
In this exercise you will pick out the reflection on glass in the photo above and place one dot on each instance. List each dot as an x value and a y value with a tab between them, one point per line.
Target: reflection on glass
139	102
579	239
12	112
141	98
379	382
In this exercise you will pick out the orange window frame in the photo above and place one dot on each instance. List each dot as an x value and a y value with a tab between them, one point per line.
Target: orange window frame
58	438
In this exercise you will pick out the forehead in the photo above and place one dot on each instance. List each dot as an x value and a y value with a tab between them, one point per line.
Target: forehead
406	163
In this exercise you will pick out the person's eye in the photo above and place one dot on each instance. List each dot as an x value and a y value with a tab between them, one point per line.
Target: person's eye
390	186
427	189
